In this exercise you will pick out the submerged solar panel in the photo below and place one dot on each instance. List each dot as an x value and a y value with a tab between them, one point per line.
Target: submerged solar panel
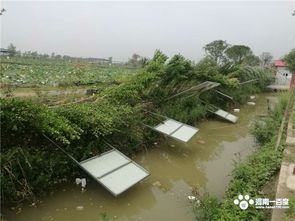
228	116
114	170
185	133
120	180
177	130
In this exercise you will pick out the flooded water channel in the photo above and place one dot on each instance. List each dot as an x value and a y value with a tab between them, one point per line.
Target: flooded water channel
203	163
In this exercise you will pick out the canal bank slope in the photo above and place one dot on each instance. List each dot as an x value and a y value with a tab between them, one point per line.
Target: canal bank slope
286	180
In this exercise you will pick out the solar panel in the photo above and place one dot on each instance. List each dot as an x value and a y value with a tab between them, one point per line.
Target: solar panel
120	180
114	170
177	130
100	165
226	115
221	113
168	126
185	133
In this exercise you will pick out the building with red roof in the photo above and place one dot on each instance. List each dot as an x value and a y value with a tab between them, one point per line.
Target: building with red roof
280	63
283	75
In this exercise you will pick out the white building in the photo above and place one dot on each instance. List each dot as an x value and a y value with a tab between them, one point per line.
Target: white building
283	75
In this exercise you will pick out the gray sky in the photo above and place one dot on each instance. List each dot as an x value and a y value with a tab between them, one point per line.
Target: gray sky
118	29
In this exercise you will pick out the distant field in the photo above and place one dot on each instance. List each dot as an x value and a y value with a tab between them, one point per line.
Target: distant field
45	72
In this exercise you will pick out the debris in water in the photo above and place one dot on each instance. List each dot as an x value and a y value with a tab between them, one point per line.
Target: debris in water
252	97
81	181
157	183
185	155
201	141
193	198
19	210
251	103
79	208
236	110
155	143
172	145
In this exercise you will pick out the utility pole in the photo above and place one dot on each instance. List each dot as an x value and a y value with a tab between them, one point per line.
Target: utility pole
293	14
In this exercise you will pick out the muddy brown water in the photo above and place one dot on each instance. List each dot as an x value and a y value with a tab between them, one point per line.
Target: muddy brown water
205	162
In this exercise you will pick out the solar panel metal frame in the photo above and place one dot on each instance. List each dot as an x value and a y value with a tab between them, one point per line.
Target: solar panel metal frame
111	171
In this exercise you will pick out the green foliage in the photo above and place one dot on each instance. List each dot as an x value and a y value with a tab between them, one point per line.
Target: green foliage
238	53
23	121
156	64
105	120
185	110
58	73
246	73
104	217
178	69
267	128
216	49
133	90
32	165
98	119
293	119
290	59
208	69
290	212
251	60
205	209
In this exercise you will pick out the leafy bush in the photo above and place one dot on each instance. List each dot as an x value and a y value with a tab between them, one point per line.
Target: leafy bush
290	212
29	163
206	208
22	122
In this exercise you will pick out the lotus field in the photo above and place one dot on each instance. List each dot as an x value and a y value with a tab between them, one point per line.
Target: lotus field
59	73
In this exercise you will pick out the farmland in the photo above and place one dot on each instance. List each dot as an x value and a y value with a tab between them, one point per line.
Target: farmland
57	73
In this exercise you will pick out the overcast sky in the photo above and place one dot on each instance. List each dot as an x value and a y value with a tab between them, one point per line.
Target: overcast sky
118	29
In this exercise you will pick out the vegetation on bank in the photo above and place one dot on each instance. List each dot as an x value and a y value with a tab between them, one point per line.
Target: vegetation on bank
249	177
31	165
290	212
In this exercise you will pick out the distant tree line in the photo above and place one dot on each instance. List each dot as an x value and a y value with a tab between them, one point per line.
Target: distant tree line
225	54
13	52
137	61
220	51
